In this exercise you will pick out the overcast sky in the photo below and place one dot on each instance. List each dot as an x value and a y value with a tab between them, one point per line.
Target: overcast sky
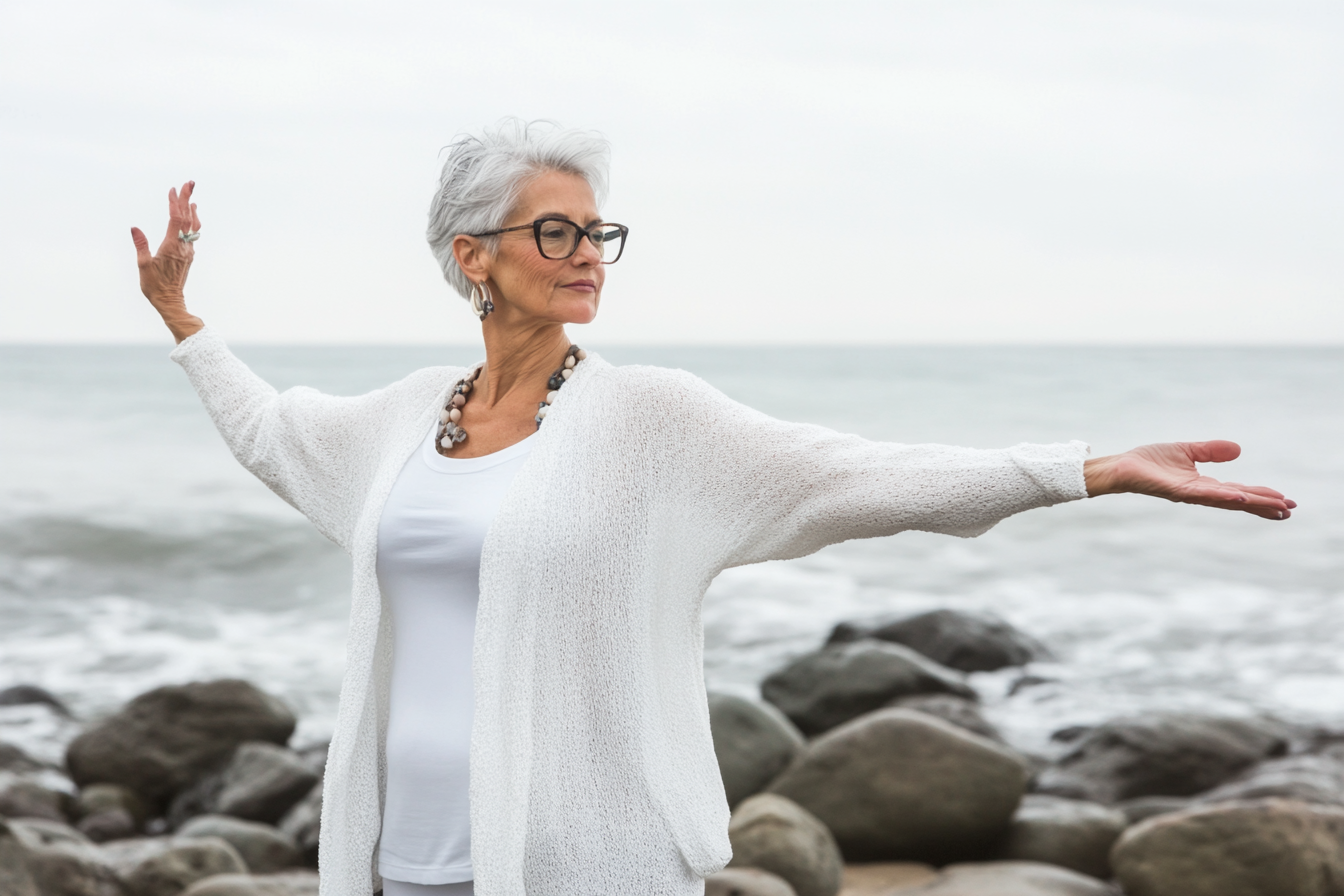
824	172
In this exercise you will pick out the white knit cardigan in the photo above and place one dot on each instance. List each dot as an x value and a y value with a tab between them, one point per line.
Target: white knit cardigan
592	767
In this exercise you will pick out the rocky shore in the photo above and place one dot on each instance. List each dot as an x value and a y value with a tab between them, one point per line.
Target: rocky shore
865	769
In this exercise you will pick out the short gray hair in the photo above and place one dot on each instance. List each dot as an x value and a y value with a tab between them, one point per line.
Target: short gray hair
483	176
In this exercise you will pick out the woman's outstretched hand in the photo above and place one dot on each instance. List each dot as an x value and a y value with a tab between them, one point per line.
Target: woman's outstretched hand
1168	471
163	276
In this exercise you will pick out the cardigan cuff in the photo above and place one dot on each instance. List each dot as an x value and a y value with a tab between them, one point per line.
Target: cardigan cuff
1056	469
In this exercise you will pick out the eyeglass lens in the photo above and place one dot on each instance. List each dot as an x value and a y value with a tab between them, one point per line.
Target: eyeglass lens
559	239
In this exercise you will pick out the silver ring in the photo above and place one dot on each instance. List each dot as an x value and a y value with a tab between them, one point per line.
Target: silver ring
190	236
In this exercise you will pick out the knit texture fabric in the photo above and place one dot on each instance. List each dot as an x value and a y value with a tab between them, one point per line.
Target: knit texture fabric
592	766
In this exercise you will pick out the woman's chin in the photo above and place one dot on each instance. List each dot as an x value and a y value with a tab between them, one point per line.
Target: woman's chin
578	311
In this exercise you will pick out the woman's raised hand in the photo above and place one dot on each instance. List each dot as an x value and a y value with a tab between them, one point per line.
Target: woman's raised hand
163	276
1168	471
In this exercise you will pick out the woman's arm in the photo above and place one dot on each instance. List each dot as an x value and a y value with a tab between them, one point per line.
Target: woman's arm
163	277
311	449
776	489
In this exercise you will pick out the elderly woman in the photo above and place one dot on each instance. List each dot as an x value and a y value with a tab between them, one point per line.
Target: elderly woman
523	704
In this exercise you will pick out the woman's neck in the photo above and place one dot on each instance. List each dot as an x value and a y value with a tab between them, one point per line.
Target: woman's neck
518	359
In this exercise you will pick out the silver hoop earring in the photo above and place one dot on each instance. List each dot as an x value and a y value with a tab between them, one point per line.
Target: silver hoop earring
481	300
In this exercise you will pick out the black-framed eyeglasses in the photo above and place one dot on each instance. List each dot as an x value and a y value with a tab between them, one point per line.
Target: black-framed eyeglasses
558	238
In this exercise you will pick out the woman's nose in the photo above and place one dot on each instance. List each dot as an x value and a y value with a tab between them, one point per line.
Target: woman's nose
588	253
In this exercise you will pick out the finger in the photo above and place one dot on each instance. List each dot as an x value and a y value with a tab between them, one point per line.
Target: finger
1257	490
1221	495
142	256
195	219
184	201
173	218
1217	451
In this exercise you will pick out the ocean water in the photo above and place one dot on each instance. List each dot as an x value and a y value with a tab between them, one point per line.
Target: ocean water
135	552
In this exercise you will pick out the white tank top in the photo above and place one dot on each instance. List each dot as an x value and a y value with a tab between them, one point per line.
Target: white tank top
429	563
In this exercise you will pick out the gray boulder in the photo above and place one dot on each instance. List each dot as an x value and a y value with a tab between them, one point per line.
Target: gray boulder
1012	879
1311	779
98	798
896	784
263	848
1159	755
23	694
1068	833
166	739
743	882
966	641
957	710
109	824
304	824
828	687
25	798
753	741
885	878
125	855
261	782
290	883
168	871
16	879
1248	848
13	759
776	835
1141	808
62	861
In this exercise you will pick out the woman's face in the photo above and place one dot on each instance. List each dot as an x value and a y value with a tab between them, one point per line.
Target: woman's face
526	284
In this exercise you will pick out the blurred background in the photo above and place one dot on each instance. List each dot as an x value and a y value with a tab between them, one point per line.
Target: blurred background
977	223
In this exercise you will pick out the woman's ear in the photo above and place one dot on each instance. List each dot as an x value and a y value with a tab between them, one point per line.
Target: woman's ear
472	257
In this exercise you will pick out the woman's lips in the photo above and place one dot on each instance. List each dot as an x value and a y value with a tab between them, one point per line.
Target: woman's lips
584	285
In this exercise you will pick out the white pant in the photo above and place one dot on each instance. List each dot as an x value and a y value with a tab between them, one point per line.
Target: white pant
401	888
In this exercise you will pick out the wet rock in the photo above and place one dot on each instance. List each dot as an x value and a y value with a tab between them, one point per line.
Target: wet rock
774	834
957	710
753	741
23	694
98	798
24	798
13	759
1311	779
167	872
263	848
966	641
15	877
164	740
1159	755
64	862
883	878
1068	833
304	824
896	784
1144	807
109	824
290	883
1247	848
1012	879
746	882
124	855
828	687
315	757
261	782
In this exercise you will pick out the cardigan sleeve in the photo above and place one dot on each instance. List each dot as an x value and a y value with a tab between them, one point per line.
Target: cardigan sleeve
311	449
778	490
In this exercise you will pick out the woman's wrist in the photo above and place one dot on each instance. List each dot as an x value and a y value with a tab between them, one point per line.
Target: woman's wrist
1099	476
183	325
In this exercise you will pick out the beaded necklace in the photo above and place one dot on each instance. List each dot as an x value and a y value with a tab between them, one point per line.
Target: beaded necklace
451	433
